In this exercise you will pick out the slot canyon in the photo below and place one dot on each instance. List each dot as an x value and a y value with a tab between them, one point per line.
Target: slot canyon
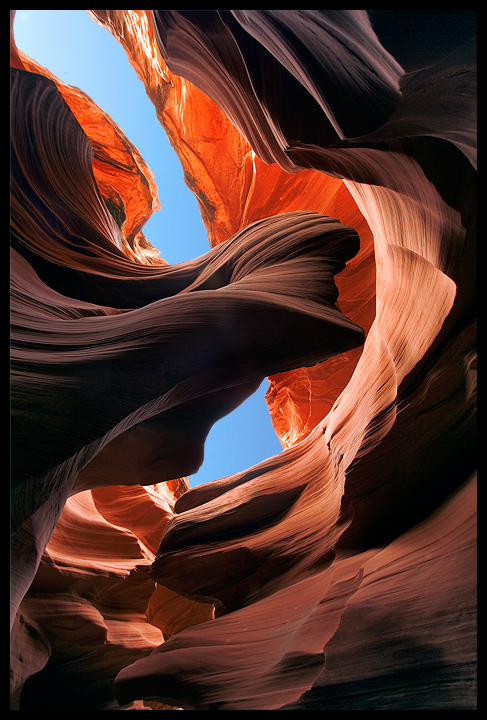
332	154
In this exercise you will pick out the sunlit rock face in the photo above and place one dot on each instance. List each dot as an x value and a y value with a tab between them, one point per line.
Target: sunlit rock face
333	157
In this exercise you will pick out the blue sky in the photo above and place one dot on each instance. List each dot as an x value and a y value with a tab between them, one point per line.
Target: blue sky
78	51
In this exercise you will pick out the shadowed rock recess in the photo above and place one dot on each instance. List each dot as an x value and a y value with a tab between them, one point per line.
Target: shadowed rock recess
332	153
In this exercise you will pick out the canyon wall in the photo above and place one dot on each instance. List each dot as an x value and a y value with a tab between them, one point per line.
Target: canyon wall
332	154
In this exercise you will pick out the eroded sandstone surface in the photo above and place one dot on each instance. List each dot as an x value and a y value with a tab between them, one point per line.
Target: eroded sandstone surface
332	154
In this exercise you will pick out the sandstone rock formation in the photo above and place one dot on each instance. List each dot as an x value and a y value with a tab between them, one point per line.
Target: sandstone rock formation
333	159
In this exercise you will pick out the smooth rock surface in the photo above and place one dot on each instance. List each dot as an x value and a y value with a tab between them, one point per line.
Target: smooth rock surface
334	164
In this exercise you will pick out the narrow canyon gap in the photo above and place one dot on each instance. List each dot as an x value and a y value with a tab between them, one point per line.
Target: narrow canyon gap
333	157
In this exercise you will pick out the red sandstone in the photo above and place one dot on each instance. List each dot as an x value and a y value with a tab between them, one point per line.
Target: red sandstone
339	574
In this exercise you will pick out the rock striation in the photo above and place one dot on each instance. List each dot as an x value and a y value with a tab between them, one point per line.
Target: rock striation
334	164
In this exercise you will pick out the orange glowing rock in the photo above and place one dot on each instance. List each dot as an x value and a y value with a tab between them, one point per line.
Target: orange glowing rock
300	133
122	175
234	188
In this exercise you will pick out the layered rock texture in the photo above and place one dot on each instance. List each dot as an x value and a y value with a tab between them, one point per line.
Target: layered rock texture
333	157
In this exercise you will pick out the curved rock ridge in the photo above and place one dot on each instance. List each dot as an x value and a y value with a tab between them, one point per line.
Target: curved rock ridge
92	593
235	187
339	574
292	247
123	177
48	333
244	61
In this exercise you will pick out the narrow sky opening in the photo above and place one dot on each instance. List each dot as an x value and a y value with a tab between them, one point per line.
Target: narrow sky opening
79	52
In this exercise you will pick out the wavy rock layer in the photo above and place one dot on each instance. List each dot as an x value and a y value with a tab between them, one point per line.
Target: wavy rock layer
336	180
